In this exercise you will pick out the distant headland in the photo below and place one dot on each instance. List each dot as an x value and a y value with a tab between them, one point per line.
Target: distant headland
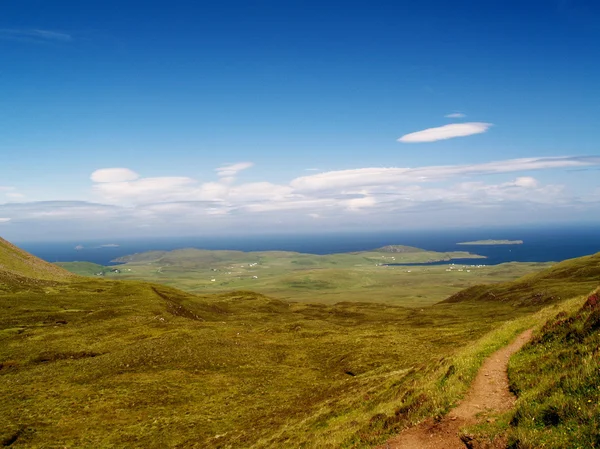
492	242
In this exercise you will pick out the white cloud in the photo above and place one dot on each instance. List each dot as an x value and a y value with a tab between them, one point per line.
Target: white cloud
455	115
355	204
526	181
228	171
10	193
146	189
446	132
34	35
342	190
364	197
4	220
114	175
343	179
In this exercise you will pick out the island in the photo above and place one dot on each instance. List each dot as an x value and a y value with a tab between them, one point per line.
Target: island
492	242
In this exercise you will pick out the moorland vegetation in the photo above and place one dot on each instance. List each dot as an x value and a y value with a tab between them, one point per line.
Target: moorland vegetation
98	362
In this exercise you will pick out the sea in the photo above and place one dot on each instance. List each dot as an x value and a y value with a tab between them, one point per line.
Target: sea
541	244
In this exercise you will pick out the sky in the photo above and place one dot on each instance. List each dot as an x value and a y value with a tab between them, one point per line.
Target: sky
136	119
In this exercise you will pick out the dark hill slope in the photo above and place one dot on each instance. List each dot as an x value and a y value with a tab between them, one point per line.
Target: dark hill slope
564	280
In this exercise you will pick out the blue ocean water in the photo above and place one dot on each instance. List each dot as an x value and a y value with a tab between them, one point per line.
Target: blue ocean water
540	244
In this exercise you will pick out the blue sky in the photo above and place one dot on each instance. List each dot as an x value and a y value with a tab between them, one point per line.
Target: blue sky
170	118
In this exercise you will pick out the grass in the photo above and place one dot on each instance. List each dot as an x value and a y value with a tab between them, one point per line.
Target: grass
99	363
312	278
144	365
84	268
557	380
16	264
564	280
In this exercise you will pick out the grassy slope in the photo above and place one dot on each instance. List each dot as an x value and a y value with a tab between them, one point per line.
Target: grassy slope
16	264
564	280
148	366
83	268
143	365
557	380
211	258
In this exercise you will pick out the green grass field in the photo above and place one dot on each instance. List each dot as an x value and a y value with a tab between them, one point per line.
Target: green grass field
103	363
326	279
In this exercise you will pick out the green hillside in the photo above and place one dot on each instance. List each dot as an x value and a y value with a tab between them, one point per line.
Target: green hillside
93	363
19	268
365	276
564	280
202	258
557	380
84	268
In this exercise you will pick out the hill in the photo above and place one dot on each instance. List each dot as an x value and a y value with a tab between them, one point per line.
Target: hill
564	280
19	268
144	365
398	249
85	268
202	258
92	362
492	242
556	378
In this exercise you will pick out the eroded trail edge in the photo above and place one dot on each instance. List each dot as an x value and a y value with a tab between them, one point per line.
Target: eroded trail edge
488	394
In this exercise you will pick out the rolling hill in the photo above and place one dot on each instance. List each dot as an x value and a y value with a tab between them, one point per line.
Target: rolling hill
92	362
564	280
377	276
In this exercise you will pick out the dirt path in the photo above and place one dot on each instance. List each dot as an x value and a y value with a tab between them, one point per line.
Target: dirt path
489	393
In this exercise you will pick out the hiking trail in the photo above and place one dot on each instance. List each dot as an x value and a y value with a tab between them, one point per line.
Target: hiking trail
489	393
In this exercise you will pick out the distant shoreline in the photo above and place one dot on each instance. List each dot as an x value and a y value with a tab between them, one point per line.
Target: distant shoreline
492	242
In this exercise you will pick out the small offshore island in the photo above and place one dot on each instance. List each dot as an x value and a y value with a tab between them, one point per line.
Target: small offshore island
493	242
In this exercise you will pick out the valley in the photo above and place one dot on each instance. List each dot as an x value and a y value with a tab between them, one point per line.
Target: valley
105	361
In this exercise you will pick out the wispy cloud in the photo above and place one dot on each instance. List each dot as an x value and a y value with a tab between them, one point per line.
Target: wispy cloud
4	220
361	177
455	115
15	195
11	193
233	169
34	35
446	132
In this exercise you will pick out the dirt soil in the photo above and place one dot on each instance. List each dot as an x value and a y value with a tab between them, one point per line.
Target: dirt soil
489	394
